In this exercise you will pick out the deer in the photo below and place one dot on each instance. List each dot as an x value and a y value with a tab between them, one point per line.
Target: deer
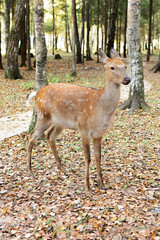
90	111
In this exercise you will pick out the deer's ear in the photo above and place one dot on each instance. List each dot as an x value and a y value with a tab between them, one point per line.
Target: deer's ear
114	54
102	55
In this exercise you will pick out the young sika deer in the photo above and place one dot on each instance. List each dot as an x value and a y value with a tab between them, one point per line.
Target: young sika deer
87	110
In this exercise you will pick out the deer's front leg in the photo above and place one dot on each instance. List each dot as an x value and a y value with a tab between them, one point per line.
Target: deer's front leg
86	149
97	154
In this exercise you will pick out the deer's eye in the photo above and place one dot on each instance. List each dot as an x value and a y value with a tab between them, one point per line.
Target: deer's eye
112	68
125	67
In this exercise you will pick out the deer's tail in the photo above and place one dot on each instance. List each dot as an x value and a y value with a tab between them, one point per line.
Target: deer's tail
29	99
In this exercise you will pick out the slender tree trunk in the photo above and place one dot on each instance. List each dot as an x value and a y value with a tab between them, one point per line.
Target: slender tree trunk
125	31
97	31
73	40
53	27
68	31
7	23
23	43
117	32
28	33
150	30
88	54
83	21
102	42
119	35
106	24
12	68
136	98
78	45
1	65
66	26
112	26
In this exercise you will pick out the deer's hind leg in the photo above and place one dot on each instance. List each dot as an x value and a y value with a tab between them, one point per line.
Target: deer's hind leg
39	129
51	137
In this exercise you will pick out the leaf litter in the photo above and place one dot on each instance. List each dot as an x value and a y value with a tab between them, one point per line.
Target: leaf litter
53	205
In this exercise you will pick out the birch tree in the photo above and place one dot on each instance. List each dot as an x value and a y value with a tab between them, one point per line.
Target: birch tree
136	99
41	49
41	52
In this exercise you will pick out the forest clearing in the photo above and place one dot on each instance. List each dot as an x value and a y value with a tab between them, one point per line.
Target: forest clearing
53	205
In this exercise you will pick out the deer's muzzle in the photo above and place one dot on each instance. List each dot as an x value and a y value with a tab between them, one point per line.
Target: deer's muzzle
126	81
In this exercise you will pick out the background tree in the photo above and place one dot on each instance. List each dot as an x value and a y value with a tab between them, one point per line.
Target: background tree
28	33
136	98
73	39
77	41
12	68
150	30
1	65
41	52
88	51
125	30
7	22
112	26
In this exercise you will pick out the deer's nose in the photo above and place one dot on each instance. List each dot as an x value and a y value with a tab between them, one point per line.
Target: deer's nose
127	80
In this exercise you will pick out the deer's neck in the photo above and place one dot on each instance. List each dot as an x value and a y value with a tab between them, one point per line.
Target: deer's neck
110	97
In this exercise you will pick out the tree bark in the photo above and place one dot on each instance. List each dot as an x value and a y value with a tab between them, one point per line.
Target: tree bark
7	23
66	26
23	43
125	32
150	30
73	40
53	27
88	53
12	68
97	31
106	24
157	67
78	44
41	52
136	98
28	34
1	65
112	27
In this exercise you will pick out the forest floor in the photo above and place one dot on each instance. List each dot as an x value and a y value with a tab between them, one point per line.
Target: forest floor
53	205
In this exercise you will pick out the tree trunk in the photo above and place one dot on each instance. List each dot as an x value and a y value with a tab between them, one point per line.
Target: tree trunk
53	27
125	31
150	30
78	45
88	54
73	40
28	33
112	27
7	23
66	26
106	24
157	67
97	31
83	21
136	98
41	52
68	30
12	68
1	66
23	43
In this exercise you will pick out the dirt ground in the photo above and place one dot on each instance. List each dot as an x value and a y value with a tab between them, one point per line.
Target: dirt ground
53	205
